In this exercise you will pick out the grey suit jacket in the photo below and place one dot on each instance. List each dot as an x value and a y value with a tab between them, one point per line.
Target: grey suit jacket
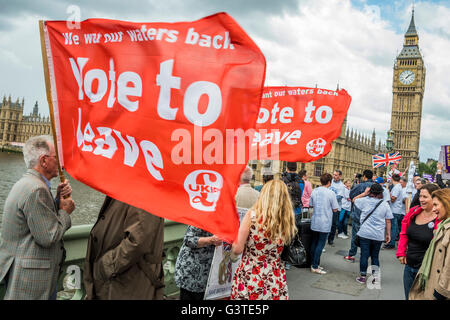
31	248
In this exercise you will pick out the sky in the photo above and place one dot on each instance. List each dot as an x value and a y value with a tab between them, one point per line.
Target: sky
305	42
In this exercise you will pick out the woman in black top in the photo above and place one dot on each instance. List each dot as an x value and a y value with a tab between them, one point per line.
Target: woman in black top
419	234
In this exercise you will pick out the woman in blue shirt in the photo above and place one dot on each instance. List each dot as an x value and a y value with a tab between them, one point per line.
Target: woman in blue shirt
375	229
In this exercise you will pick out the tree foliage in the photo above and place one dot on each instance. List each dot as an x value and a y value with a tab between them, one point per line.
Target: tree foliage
428	169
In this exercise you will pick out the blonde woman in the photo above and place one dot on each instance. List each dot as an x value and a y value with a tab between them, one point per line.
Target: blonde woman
264	230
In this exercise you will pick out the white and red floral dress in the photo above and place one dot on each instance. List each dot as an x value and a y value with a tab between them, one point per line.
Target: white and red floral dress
261	274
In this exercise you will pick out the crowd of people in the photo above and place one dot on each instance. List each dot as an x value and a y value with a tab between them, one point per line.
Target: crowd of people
384	216
125	247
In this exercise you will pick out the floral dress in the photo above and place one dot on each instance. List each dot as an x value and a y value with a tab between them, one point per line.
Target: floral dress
261	274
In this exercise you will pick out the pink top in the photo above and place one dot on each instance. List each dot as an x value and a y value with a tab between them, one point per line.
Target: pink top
403	242
306	195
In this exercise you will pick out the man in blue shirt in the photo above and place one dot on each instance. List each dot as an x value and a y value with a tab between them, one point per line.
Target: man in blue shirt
356	212
339	189
324	202
386	193
397	210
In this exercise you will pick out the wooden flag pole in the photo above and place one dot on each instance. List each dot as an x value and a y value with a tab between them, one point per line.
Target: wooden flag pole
49	96
411	170
408	202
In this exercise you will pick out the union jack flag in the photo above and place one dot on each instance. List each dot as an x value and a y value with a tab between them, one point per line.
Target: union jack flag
385	159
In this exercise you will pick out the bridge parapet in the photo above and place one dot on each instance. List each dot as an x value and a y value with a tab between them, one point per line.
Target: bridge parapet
70	282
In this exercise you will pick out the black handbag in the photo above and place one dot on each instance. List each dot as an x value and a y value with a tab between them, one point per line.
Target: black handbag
357	240
294	253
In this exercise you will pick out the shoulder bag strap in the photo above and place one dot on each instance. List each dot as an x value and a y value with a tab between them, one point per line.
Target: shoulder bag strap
372	211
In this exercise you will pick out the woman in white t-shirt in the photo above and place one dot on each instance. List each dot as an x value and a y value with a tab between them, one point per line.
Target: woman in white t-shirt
375	229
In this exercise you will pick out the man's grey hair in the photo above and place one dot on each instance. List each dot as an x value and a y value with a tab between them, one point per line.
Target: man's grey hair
34	148
247	175
404	179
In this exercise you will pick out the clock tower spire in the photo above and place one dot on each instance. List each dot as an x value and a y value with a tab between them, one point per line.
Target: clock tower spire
407	95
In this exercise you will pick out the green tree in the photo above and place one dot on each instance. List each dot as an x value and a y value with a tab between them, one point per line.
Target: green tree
433	167
428	169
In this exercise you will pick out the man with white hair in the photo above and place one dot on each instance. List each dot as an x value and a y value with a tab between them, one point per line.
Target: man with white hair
31	249
246	196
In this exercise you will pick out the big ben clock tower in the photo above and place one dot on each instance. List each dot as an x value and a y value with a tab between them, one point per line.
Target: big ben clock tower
407	89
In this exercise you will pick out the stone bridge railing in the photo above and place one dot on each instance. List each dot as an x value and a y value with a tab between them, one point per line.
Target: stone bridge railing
70	283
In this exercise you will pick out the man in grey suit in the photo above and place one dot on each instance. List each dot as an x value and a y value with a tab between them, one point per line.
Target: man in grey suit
31	248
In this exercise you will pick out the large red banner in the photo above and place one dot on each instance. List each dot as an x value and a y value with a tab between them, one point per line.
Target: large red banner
298	123
135	102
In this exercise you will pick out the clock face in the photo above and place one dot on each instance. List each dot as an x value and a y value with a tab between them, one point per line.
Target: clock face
407	77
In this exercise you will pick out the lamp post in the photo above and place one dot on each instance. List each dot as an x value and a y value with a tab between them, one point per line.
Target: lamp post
390	140
389	147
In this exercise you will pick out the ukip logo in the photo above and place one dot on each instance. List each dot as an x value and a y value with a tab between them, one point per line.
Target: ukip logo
203	188
316	147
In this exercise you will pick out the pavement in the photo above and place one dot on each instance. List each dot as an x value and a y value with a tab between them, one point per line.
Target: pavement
340	281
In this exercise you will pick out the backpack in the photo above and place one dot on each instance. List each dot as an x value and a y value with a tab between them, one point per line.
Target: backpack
295	189
295	192
302	187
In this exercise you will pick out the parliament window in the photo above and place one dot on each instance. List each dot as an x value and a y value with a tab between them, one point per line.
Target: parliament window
318	169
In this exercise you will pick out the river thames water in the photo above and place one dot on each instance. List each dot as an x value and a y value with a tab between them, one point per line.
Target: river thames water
87	200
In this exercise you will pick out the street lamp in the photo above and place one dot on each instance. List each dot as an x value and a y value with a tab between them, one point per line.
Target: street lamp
389	146
390	140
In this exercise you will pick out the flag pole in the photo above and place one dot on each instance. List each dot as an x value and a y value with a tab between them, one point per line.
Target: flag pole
411	171
408	202
49	96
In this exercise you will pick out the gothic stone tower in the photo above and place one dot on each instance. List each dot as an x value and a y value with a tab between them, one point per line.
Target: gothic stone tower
408	88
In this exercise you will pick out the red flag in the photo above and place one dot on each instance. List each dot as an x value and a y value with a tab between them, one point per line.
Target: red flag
298	124
134	102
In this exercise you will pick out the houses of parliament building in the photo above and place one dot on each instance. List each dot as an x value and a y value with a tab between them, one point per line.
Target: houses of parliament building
15	127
